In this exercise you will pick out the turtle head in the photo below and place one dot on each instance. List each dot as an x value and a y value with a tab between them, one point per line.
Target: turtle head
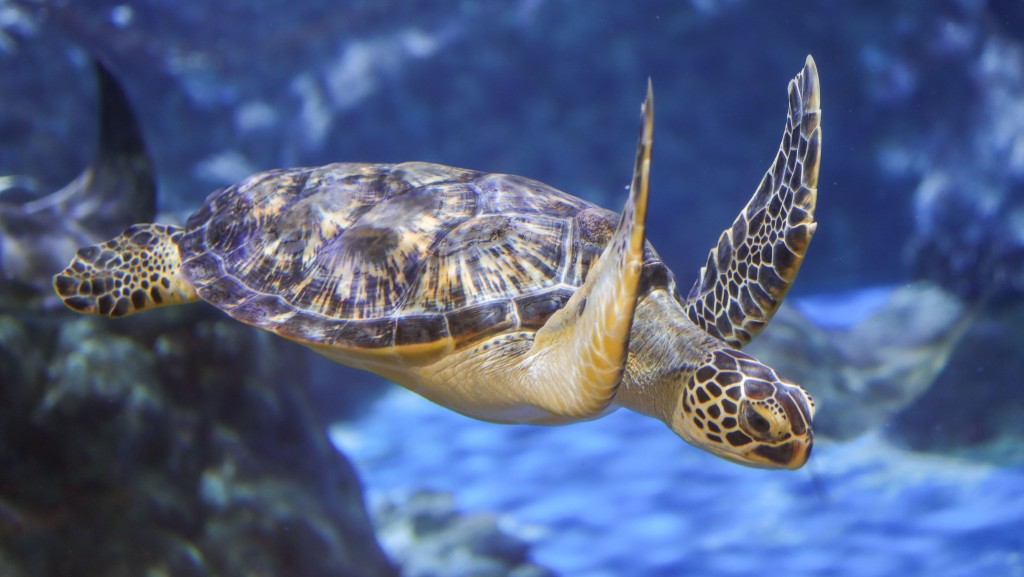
739	409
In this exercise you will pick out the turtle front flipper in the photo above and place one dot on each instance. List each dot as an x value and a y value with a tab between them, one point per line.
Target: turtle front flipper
756	260
584	344
135	271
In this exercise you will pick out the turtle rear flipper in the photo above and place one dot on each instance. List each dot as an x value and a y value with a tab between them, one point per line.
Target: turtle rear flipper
139	269
756	260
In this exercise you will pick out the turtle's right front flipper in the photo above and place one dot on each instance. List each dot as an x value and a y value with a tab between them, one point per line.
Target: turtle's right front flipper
756	260
139	269
579	355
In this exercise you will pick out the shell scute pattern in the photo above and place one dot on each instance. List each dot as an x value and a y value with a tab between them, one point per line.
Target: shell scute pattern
399	178
377	256
225	292
472	323
535	309
504	193
491	257
417	329
263	309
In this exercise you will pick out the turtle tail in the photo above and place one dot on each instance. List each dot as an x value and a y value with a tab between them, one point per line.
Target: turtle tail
138	270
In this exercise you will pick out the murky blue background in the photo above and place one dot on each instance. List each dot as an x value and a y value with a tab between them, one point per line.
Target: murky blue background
922	178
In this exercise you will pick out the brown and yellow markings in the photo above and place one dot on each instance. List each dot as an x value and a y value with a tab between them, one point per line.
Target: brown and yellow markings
135	271
490	258
508	193
417	174
415	243
364	270
268	209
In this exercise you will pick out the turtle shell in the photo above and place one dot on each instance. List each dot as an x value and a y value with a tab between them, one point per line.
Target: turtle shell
385	257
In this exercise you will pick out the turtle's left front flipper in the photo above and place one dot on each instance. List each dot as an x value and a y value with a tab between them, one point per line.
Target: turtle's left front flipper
584	344
756	260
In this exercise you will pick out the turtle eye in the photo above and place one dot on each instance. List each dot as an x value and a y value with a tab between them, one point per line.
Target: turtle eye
754	423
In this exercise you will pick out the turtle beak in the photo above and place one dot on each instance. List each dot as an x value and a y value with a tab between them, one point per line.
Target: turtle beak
790	455
799	408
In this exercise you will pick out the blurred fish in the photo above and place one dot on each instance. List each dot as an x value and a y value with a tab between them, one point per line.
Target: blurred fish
38	234
15	186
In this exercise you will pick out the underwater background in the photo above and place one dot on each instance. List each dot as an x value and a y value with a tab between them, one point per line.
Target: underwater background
181	443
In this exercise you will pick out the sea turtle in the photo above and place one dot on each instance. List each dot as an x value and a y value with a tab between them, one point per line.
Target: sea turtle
496	295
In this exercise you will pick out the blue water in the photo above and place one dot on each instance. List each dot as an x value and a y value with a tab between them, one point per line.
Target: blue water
625	496
842	309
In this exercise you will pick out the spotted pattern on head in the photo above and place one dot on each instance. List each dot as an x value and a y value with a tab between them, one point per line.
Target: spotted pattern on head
135	271
756	260
739	408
